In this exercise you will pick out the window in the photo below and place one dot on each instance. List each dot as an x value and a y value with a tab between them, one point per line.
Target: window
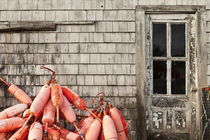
169	57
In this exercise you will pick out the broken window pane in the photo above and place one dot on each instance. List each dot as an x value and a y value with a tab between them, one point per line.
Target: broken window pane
159	77
159	39
178	40
178	78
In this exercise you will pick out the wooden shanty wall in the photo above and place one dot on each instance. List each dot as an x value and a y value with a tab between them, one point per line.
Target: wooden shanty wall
91	44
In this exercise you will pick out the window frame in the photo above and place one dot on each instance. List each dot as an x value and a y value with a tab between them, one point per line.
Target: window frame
168	58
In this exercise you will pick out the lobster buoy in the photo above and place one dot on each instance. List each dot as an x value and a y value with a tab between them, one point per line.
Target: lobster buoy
10	124
116	117
19	94
35	132
109	129
68	111
12	111
72	136
84	124
93	131
48	114
39	102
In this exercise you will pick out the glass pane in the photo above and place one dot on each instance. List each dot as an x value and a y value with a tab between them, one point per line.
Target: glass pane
159	77
178	40
159	39
178	78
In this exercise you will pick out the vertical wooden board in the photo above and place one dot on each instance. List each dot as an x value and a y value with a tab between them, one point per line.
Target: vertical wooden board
140	69
201	60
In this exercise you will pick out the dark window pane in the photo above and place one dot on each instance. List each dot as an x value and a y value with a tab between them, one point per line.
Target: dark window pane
159	39
159	77
178	40
178	78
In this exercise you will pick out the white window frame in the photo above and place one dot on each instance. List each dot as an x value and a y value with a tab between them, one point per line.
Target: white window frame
168	57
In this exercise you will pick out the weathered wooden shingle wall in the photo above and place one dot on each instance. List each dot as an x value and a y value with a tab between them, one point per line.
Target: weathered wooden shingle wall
89	58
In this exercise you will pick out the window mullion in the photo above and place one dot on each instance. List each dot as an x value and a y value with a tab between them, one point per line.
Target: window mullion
168	61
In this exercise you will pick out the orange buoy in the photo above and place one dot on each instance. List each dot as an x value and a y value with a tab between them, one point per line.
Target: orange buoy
3	115
125	125
39	102
48	114
10	124
76	100
57	98
68	111
93	131
20	135
109	129
12	111
19	94
83	125
35	132
116	117
72	136
37	106
56	95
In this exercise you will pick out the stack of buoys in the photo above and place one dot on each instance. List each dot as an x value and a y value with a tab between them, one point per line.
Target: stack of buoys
39	119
